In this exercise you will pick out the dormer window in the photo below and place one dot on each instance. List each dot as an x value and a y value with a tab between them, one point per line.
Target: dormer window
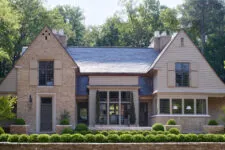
182	42
182	74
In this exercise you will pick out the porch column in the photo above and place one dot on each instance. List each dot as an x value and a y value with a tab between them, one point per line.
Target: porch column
92	107
136	106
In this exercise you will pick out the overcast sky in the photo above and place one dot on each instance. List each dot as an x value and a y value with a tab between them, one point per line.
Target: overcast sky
97	11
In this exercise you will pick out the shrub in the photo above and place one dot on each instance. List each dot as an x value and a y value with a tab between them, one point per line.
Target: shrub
158	127
126	138
77	138
160	138
174	131
4	137
100	138
81	127
43	138
188	138
212	122
105	133
171	122
23	138
19	121
89	138
172	138
54	138
64	122
65	138
138	138
113	132
145	133
113	138
67	131
13	138
211	138
33	138
2	130
150	138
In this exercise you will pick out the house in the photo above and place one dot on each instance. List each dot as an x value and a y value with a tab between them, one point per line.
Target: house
114	87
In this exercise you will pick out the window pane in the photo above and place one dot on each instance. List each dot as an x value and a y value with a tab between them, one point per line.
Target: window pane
114	96
188	106
103	113
164	106
182	74
126	96
201	106
46	73
103	96
177	106
114	113
124	113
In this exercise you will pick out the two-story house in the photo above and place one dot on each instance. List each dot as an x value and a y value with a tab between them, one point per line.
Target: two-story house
114	87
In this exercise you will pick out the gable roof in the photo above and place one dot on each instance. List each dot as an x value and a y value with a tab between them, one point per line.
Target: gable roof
113	60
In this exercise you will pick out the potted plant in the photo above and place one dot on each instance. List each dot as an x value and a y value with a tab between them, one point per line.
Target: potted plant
64	122
213	127
172	124
19	127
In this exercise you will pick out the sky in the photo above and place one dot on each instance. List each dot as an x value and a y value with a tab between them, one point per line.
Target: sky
97	11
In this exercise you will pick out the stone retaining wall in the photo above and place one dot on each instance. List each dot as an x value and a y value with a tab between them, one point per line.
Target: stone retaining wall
113	146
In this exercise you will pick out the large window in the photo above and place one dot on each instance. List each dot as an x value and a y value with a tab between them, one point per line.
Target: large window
114	107
46	73
177	106
164	106
201	106
188	106
182	74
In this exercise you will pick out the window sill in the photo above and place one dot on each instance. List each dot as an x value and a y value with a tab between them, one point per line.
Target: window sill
182	115
45	86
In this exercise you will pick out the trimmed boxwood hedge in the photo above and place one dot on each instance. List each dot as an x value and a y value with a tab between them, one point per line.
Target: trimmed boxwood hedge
113	138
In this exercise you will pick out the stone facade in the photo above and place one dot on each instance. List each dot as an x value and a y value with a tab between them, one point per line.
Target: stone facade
19	129
45	49
190	124
215	108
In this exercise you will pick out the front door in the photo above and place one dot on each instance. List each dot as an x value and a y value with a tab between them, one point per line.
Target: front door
46	114
82	114
143	115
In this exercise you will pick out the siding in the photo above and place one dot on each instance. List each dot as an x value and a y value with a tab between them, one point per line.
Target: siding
81	86
9	84
113	80
208	81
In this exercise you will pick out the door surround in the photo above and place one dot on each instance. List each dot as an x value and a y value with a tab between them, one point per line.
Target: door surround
38	109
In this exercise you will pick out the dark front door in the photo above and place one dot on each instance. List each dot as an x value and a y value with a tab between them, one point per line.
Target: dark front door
82	114
46	114
143	114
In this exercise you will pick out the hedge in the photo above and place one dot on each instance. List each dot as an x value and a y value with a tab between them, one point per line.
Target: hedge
113	138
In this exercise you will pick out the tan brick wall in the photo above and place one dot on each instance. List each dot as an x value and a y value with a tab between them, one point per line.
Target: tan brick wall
215	108
42	49
189	124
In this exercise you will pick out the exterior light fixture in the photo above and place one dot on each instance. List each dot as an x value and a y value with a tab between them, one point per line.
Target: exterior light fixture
175	107
188	108
30	99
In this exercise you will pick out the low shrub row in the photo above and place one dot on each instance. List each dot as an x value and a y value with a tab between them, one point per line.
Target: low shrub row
112	138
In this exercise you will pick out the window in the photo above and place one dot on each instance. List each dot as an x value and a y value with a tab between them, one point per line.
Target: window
102	108
182	42
188	106
126	98
114	107
177	106
182	74
201	106
46	73
164	106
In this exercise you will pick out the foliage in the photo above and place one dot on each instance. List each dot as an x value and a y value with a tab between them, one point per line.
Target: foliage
33	138
171	122
67	131
89	138
43	138
113	138
54	138
174	131
19	121
65	118
23	138
65	138
100	138
77	138
2	131
4	137
126	138
6	106
13	138
158	127
213	122
81	127
138	138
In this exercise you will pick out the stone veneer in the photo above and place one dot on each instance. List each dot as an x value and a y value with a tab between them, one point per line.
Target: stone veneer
19	129
42	49
190	124
113	146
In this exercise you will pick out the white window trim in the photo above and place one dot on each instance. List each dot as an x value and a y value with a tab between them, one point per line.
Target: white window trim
182	98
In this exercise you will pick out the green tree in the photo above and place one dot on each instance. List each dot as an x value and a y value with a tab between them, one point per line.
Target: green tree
6	106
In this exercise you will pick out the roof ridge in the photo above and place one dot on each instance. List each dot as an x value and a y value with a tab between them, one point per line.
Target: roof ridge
109	47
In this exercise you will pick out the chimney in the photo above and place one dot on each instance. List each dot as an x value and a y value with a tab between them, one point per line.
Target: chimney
158	42
61	36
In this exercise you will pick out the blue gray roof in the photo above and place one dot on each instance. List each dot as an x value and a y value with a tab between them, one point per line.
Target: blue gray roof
113	60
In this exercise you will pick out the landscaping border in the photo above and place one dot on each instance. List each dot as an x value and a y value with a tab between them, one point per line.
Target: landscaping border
113	146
